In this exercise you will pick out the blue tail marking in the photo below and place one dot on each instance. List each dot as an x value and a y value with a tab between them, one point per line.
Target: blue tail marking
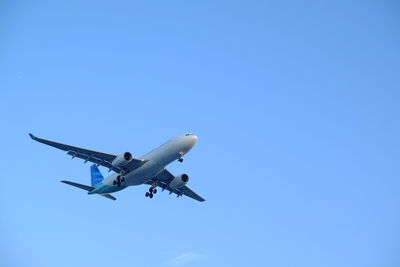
96	175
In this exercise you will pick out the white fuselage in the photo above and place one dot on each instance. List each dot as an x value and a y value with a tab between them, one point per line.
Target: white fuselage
155	162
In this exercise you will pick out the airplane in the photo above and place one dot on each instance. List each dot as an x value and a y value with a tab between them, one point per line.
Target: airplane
148	169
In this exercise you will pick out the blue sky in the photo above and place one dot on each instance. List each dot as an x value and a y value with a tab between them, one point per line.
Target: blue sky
296	105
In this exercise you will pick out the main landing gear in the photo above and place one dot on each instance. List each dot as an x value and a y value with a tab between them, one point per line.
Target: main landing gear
151	192
180	159
120	179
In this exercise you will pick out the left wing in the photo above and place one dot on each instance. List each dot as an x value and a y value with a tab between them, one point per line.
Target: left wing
165	177
99	158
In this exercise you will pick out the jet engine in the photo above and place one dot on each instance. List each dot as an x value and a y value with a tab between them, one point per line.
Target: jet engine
122	160
179	181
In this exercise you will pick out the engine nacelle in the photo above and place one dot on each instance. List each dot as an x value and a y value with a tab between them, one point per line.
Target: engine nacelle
179	181
122	160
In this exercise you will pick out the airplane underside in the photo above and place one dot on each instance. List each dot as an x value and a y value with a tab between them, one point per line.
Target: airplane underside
149	169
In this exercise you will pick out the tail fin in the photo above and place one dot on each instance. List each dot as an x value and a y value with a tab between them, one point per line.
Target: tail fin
96	175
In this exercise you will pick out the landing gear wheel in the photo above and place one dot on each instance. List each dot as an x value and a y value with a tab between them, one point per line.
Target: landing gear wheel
180	159
119	183
147	194
115	182
151	195
122	178
154	190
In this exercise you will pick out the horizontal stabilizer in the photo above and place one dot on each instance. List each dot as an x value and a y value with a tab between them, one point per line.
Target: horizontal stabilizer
108	196
88	188
81	186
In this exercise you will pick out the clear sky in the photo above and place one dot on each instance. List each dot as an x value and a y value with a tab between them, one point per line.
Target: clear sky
296	105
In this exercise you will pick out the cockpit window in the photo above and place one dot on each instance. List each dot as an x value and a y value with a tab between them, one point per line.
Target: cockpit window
188	134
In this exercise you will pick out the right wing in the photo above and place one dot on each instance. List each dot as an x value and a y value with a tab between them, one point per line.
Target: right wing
165	177
99	158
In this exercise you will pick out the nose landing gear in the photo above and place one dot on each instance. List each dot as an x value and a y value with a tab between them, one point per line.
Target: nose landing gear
180	156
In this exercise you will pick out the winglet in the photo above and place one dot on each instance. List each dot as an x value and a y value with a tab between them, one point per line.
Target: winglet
32	136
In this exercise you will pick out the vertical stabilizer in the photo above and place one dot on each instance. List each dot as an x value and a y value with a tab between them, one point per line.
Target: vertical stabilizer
96	175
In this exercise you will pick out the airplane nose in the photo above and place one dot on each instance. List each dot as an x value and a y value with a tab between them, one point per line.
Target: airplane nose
193	140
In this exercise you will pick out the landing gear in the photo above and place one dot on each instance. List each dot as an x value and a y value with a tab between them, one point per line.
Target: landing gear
152	190
180	156
120	179
150	195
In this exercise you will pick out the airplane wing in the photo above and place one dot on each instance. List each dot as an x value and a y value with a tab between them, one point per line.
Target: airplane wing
165	177
99	158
